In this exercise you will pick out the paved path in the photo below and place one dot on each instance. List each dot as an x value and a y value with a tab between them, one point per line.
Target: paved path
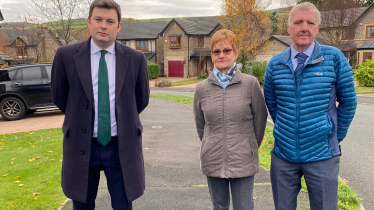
173	177
357	160
39	120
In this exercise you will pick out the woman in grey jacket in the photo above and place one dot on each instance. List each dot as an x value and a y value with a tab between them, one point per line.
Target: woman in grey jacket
230	116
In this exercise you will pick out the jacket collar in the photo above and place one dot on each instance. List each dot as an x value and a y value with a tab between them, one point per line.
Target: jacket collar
316	56
236	79
83	66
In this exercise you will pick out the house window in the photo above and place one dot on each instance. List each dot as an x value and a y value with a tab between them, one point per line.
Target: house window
21	51
200	41
347	34
369	31
127	43
142	45
175	41
367	55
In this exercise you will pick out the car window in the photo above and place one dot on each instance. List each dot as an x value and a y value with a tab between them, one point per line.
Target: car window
7	75
32	73
49	70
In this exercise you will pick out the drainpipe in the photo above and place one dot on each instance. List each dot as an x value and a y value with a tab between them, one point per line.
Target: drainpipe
188	62
155	50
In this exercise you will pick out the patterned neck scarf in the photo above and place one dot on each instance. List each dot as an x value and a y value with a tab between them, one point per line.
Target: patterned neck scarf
224	79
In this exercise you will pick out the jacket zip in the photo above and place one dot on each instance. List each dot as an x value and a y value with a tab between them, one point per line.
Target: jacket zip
224	131
298	90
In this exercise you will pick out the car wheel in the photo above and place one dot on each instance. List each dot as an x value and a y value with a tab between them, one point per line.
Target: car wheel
12	108
30	111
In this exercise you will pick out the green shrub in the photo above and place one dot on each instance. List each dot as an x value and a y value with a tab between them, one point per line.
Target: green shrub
365	74
258	70
244	61
203	76
153	70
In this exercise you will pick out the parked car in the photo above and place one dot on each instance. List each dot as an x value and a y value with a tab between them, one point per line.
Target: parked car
25	89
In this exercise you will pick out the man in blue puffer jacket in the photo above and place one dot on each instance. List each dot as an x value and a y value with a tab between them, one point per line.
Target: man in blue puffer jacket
302	86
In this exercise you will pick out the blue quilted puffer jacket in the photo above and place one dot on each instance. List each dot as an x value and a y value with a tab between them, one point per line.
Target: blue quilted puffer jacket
308	124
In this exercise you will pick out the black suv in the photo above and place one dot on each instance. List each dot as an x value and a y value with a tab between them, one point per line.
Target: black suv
24	89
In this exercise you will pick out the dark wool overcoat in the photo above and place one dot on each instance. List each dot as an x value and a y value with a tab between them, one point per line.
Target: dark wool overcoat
73	94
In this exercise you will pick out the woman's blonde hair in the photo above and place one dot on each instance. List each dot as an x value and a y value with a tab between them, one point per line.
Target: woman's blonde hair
224	35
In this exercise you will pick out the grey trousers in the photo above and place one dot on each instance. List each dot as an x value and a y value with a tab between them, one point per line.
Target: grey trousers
241	191
321	178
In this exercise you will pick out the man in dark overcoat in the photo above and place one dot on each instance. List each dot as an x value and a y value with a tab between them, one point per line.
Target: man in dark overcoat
101	86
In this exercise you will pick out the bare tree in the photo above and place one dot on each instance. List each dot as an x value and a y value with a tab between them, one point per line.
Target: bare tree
338	20
60	15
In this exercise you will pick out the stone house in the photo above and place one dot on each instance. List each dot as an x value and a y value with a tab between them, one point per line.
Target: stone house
30	45
180	46
364	35
144	37
186	44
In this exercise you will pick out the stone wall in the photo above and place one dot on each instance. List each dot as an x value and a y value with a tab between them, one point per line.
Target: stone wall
274	47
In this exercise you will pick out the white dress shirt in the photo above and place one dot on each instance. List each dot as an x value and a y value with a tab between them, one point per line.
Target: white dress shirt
307	52
110	58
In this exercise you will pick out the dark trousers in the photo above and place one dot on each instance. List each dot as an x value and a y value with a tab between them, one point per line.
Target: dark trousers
241	191
107	159
321	178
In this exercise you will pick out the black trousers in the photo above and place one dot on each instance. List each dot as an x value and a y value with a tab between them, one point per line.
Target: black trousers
107	159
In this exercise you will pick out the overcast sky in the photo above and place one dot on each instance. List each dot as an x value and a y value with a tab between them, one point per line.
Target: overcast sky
138	9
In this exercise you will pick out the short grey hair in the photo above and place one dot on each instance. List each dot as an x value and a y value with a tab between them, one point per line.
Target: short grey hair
305	6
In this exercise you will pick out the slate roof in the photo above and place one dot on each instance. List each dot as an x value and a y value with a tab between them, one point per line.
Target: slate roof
366	45
331	18
27	36
141	30
346	45
199	25
5	57
151	29
205	52
366	11
149	55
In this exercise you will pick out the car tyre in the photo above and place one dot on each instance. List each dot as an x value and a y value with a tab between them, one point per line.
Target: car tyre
12	108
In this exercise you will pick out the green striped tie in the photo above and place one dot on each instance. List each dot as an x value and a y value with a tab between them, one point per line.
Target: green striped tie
103	123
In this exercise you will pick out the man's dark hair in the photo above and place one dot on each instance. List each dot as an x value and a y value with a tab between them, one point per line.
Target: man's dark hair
107	4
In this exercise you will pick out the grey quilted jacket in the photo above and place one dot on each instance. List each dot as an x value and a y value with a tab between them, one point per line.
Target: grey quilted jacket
230	123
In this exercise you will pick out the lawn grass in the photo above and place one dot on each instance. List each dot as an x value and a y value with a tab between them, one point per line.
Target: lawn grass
365	89
186	82
30	170
175	98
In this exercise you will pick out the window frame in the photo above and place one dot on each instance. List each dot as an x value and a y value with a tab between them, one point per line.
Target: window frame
126	43
366	32
365	56
145	45
21	50
177	45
